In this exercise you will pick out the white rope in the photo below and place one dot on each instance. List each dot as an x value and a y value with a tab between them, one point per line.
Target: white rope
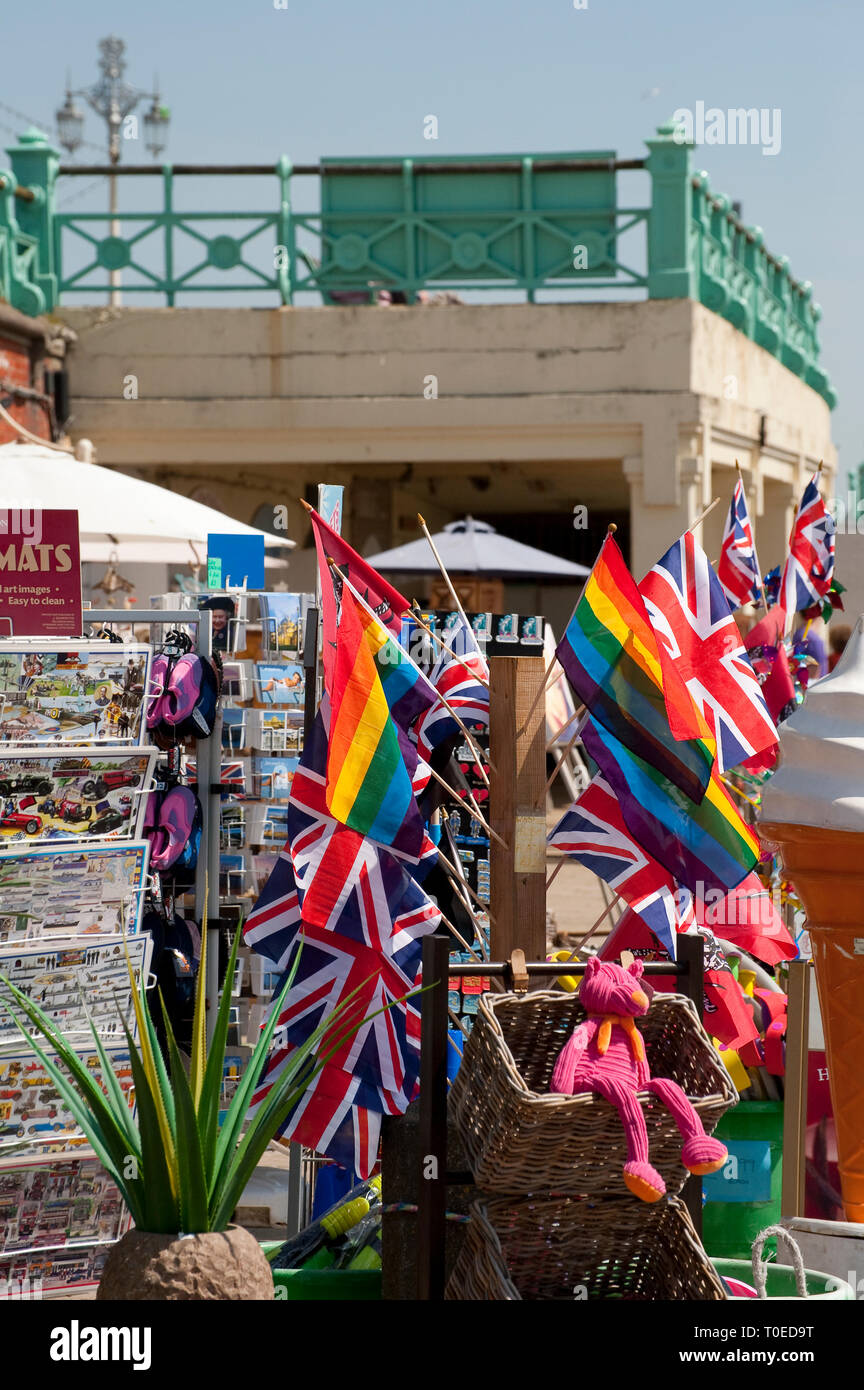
33	438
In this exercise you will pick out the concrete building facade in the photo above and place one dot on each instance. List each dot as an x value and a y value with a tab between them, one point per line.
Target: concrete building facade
516	413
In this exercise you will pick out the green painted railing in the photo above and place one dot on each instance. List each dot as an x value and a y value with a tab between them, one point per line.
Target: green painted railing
510	222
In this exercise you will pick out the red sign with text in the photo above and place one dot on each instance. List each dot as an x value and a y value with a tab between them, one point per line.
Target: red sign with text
40	573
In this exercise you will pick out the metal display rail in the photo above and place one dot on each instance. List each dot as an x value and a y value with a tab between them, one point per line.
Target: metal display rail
208	756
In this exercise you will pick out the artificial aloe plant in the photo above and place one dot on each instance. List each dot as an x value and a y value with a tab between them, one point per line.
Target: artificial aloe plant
176	1167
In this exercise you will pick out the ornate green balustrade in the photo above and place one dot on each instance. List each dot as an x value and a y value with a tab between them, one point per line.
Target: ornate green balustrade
529	223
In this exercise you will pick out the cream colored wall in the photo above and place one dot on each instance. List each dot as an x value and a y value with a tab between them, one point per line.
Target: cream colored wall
647	402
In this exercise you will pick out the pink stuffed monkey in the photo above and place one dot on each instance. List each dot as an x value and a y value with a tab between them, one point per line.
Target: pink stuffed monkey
606	1054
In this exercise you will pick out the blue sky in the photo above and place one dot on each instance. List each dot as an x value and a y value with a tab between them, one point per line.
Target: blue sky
246	81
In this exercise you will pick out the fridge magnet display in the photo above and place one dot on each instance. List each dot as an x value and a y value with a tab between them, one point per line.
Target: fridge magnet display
71	890
25	1086
92	694
50	1205
83	793
37	1275
75	983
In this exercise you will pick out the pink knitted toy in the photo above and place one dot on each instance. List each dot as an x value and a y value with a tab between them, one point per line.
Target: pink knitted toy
606	1054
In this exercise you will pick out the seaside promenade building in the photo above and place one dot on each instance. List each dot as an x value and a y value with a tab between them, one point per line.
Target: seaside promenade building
624	338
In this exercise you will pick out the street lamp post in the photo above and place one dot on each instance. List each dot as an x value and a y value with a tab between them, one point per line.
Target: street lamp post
113	100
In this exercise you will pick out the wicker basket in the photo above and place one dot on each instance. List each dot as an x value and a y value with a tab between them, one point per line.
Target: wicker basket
519	1138
528	1248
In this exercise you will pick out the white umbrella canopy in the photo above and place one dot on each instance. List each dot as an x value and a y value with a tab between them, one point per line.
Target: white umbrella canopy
475	547
117	515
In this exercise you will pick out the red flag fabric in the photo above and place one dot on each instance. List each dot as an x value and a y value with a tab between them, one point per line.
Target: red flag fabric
694	624
765	644
725	1013
747	917
386	602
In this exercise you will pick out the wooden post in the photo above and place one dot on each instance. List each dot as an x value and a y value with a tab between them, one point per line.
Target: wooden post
795	1089
517	873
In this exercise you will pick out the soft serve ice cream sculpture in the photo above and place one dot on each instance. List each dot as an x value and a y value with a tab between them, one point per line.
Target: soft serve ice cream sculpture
813	809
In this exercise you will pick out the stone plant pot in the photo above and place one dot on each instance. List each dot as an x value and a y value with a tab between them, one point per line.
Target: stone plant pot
224	1265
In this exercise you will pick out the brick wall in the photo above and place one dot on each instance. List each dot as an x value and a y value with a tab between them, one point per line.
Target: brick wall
18	368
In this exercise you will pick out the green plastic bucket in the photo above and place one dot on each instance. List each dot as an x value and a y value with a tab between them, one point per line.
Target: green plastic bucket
744	1196
324	1285
328	1285
780	1281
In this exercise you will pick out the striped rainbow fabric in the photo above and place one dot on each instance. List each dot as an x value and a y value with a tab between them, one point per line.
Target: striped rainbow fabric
377	693
704	846
609	652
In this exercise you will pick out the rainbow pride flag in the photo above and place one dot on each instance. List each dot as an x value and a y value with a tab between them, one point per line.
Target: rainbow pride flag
377	692
704	846
609	652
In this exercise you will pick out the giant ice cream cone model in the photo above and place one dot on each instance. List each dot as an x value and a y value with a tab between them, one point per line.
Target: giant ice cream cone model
813	810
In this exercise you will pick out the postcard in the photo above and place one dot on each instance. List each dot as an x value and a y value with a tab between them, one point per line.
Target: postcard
274	776
282	621
282	684
234	724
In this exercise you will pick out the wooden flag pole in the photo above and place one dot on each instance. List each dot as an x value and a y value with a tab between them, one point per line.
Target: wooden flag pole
453	594
591	930
449	708
702	515
610	531
555	742
555	872
518	874
755	556
455	874
462	942
416	610
472	803
563	758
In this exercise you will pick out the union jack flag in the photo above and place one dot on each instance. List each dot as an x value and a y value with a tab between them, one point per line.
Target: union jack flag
357	914
593	831
271	927
696	630
329	1116
737	568
455	678
809	566
330	968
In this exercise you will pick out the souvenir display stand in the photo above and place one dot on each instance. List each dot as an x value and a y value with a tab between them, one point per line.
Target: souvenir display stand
76	876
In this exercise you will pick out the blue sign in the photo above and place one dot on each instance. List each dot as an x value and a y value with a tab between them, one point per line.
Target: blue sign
330	501
744	1177
241	559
